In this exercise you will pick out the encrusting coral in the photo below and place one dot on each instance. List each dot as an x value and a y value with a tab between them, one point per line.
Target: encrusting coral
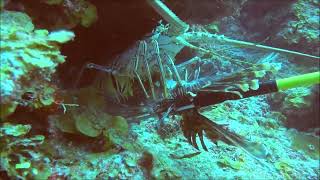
20	154
29	57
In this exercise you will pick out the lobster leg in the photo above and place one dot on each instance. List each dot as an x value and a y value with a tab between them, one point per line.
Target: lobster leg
197	74
110	71
92	66
162	73
176	73
143	48
191	126
193	123
186	75
135	71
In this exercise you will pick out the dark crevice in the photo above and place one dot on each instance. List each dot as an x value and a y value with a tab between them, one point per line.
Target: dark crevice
120	24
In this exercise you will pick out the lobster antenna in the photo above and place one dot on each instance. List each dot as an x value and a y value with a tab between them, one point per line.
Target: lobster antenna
179	27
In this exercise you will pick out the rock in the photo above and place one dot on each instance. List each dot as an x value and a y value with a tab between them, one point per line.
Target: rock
299	105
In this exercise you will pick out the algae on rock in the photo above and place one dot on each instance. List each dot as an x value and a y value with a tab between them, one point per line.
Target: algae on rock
304	28
88	118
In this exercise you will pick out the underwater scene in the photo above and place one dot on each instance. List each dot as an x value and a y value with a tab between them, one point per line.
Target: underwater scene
159	89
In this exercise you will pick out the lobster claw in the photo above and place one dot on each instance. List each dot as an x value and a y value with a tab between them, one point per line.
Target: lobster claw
193	124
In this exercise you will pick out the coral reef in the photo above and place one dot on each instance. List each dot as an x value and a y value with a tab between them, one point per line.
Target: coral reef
284	23
29	57
56	14
249	117
297	104
111	129
20	155
304	27
276	17
76	12
205	11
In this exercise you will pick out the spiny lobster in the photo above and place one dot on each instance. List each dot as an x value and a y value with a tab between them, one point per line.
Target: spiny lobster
144	74
131	81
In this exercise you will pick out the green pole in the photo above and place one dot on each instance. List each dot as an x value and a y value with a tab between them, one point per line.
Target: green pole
210	96
298	81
